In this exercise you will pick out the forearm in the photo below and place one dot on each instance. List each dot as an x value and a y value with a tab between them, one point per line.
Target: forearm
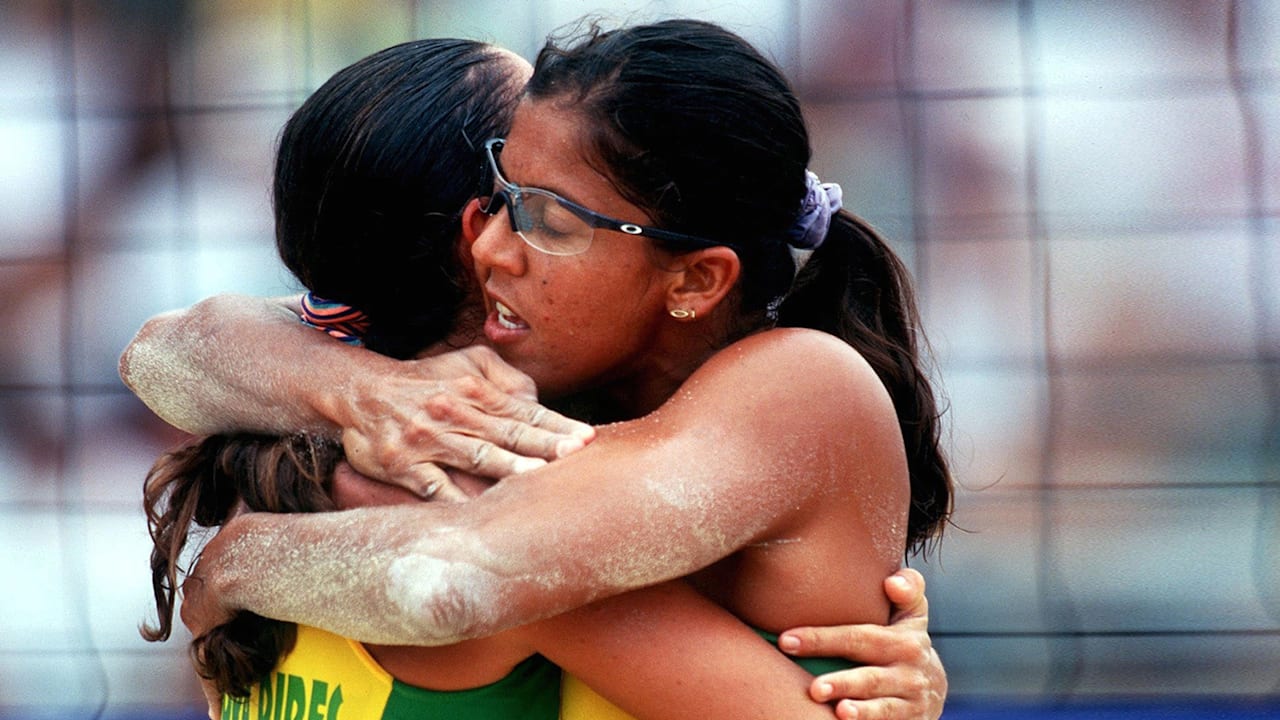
406	575
438	573
666	652
236	363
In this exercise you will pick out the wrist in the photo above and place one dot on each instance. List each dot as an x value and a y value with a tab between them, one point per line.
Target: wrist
351	375
218	570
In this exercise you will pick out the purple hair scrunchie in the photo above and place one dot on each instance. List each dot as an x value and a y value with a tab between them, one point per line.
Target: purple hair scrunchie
821	201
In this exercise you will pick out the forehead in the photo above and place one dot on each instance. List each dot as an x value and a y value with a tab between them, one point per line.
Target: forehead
547	148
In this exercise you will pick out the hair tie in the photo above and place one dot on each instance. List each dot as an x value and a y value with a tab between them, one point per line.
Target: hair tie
339	321
821	201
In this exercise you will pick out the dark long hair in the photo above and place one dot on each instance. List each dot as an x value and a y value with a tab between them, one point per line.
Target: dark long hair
371	177
372	174
695	126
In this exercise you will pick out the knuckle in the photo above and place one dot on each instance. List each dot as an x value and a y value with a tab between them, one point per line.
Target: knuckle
480	352
874	685
471	387
428	487
482	451
440	407
909	649
514	432
922	652
915	682
385	457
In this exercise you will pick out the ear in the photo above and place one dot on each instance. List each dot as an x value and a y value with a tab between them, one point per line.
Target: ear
473	222
705	279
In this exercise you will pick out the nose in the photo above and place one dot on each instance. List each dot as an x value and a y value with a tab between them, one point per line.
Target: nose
499	248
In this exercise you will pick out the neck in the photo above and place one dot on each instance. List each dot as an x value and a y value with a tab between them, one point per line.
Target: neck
638	393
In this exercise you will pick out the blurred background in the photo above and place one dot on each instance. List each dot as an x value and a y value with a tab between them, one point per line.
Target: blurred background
1087	193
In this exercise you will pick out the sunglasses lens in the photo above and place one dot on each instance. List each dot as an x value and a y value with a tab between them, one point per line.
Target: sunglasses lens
547	225
540	217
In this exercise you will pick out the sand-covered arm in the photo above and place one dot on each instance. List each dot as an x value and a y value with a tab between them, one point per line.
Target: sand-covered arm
232	362
240	363
650	500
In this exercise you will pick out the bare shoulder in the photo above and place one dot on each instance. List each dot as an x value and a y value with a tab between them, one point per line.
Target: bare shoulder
801	389
797	365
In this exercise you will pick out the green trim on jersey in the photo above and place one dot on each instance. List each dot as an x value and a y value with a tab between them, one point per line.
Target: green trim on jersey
327	677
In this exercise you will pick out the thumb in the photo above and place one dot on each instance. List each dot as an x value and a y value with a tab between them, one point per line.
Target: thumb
503	376
905	590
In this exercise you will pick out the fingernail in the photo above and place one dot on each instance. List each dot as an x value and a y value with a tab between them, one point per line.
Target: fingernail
525	464
788	643
824	690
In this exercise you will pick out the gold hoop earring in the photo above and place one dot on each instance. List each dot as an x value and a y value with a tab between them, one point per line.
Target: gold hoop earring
683	314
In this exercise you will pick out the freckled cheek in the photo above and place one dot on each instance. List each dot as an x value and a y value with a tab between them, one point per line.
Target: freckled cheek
557	296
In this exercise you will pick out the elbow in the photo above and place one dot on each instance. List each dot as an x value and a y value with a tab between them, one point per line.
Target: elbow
146	371
445	602
156	361
124	366
138	362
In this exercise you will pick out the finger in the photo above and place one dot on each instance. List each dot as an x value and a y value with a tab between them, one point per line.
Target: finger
490	461
430	482
531	440
869	644
490	400
425	480
499	426
859	683
552	421
528	440
905	589
530	428
351	488
875	709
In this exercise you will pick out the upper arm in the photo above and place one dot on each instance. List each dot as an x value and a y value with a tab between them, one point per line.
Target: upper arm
671	493
217	367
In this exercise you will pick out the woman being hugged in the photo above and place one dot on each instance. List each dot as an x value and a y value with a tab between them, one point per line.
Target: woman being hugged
660	255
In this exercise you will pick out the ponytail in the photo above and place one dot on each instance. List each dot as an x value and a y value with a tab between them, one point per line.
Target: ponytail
856	288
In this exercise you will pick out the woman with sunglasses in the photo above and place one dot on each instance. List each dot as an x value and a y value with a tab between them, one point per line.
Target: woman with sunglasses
538	221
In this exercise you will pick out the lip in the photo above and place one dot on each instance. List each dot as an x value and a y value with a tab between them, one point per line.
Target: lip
503	325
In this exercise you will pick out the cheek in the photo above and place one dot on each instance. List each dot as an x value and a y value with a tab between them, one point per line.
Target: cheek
566	288
552	292
601	299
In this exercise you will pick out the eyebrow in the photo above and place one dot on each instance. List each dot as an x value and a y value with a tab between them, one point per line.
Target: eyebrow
559	191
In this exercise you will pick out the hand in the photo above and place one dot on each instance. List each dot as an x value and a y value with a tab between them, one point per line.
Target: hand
352	489
465	409
201	610
211	696
197	617
902	677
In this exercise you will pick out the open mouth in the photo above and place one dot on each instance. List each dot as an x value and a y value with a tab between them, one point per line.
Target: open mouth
508	319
